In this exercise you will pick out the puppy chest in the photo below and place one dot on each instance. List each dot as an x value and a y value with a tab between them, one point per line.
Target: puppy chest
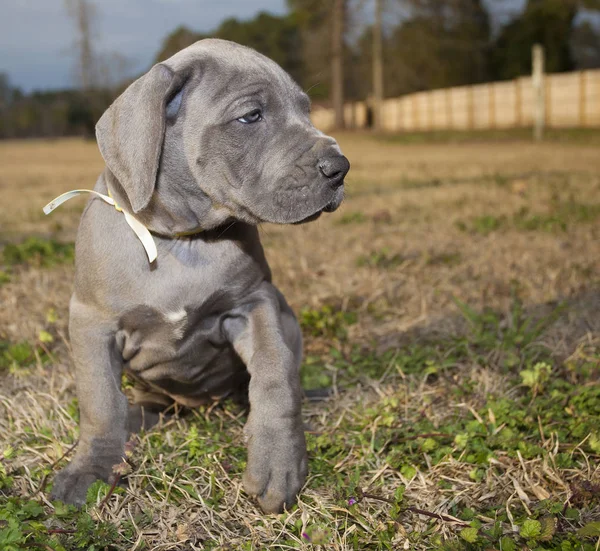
185	344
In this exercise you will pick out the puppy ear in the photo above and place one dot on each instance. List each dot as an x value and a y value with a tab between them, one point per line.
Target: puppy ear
131	132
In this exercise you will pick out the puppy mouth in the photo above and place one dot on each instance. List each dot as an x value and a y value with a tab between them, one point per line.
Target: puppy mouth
308	218
332	206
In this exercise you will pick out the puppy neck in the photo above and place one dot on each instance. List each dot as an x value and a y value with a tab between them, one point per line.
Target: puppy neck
175	209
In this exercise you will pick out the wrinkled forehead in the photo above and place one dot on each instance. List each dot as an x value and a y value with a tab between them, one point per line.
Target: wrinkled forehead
235	66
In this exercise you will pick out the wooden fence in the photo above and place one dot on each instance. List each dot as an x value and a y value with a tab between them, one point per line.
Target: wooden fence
571	100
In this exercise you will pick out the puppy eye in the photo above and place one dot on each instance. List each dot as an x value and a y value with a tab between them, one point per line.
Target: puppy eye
253	116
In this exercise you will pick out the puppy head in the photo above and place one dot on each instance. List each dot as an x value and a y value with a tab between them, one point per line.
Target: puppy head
219	132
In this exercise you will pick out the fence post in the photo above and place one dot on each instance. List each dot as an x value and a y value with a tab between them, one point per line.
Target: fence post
431	111
539	109
582	98
415	112
492	105
471	108
518	104
377	69
401	115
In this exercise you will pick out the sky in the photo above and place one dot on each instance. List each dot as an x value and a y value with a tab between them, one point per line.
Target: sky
37	37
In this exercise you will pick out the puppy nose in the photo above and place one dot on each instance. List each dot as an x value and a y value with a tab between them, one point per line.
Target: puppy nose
334	168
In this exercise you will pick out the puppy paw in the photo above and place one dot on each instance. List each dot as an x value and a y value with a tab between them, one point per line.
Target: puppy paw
277	464
70	486
72	483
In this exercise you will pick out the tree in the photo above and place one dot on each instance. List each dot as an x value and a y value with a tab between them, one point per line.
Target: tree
377	66
585	46
546	22
180	38
113	71
83	13
439	43
314	21
337	61
276	37
6	91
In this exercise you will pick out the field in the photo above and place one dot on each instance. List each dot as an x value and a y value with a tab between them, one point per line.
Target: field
453	306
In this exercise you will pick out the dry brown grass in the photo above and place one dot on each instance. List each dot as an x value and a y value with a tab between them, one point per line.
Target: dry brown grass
413	196
397	265
33	173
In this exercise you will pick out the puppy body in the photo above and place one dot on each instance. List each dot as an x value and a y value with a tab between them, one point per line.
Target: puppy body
186	152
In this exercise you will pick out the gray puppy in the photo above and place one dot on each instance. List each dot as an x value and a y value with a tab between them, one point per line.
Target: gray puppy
199	150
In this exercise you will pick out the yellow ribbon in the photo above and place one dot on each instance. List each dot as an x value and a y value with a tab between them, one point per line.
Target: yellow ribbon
141	231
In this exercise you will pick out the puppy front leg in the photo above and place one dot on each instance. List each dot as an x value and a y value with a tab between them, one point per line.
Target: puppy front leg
103	407
277	460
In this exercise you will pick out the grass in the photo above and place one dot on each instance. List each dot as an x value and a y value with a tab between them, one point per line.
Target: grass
384	259
355	217
428	420
464	372
381	258
327	321
34	251
557	219
40	252
575	136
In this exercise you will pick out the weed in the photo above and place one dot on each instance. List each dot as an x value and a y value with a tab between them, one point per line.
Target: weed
314	374
38	252
525	221
558	219
501	180
513	339
19	357
537	376
355	217
26	524
406	183
384	259
446	259
483	225
381	259
327	321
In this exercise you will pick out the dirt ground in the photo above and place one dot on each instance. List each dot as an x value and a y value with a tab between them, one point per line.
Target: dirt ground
491	224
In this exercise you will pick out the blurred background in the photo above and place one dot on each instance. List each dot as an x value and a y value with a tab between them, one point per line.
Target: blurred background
63	61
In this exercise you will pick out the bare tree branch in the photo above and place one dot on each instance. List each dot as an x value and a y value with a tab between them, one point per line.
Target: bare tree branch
83	13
